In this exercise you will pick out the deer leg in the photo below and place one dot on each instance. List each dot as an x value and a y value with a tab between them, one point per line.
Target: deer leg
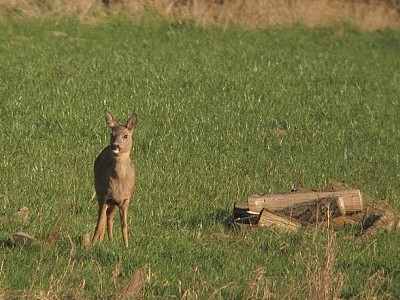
101	224
123	213
110	221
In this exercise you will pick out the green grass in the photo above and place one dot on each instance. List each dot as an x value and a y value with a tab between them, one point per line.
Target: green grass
207	102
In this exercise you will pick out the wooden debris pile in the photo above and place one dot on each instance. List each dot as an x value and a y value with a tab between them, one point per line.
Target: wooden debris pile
337	206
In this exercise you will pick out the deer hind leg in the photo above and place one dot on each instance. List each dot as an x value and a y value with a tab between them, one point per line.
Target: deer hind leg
101	224
110	221
123	213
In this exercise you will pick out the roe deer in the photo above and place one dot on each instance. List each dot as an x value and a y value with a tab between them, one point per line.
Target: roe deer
114	178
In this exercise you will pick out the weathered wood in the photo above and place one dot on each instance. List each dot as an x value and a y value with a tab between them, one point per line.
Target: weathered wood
378	215
343	221
241	206
270	219
338	206
350	200
312	211
375	216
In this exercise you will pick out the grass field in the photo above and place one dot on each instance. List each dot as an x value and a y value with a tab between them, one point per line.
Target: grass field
222	114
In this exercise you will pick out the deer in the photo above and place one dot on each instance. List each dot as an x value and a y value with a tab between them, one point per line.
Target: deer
114	178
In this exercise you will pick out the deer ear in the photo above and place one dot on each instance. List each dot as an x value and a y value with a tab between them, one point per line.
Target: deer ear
110	120
131	123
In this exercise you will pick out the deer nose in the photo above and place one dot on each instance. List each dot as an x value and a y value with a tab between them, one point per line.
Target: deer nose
115	146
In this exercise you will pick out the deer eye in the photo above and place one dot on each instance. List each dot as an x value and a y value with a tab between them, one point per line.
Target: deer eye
125	136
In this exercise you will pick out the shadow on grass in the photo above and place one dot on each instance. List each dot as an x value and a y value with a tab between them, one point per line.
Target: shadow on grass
220	217
8	243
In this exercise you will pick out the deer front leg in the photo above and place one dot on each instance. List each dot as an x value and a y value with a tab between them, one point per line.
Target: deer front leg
101	224
123	213
110	222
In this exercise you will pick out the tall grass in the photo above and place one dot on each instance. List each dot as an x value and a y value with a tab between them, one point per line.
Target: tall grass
369	15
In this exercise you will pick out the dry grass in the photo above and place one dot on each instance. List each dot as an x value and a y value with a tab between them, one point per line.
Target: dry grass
375	287
258	286
61	288
367	15
135	287
324	280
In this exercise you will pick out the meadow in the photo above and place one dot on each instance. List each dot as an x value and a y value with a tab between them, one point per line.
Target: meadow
223	113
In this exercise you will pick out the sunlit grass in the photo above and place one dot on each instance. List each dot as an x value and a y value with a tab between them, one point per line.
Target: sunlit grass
222	114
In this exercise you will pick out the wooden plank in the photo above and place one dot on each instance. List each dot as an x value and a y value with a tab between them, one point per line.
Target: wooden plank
270	219
341	205
350	200
312	211
241	210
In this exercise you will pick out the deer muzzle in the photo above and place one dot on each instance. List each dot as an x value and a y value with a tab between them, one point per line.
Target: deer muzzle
115	148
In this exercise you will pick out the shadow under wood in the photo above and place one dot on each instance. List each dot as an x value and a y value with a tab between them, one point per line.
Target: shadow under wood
224	217
369	221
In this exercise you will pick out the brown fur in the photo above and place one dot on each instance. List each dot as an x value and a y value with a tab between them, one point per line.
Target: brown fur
114	178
